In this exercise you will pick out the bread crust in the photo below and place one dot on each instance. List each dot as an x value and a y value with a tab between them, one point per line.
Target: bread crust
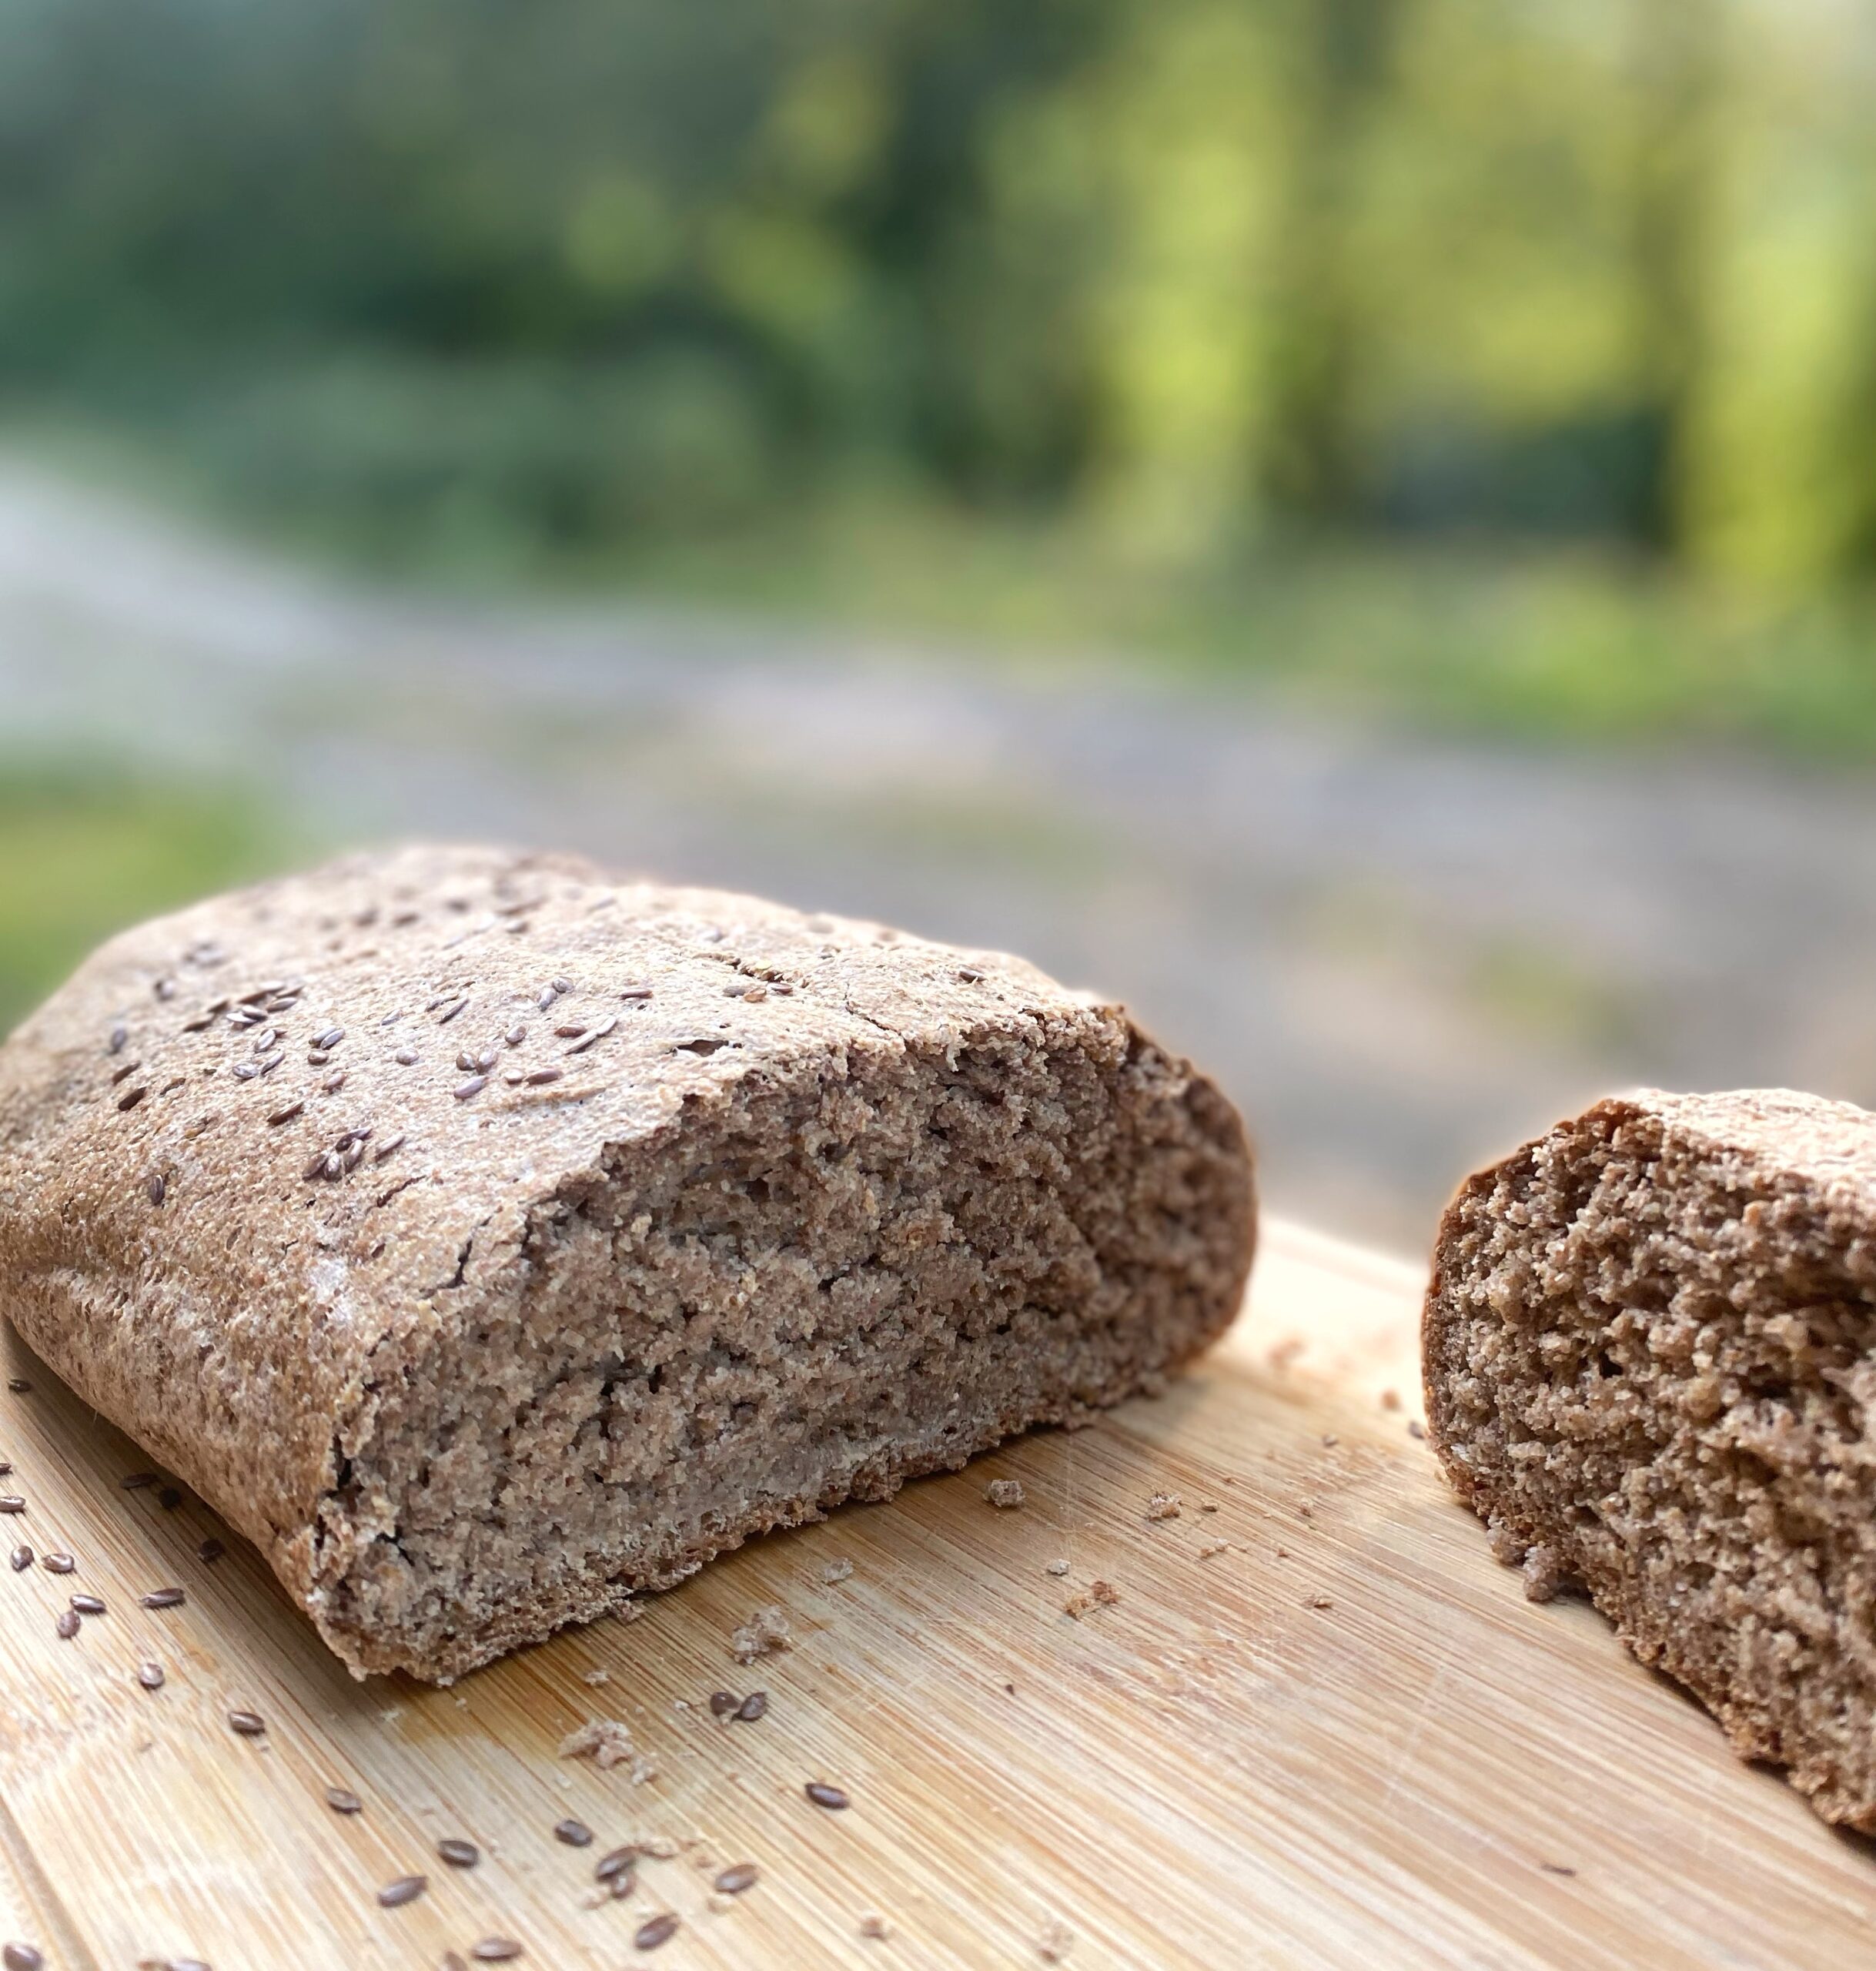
254	1209
1650	1356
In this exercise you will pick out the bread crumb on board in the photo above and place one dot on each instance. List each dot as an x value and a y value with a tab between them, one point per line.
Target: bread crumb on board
1543	1574
1099	1594
1213	1547
1056	1567
1054	1942
607	1743
1005	1493
1163	1505
832	1571
765	1634
872	1924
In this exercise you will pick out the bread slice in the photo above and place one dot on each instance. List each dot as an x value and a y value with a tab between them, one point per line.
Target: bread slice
487	1240
1650	1363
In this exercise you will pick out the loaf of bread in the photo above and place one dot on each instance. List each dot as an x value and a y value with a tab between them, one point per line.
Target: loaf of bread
1650	1363
487	1240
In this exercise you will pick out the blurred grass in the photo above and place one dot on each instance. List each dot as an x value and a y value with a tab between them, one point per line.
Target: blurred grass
1578	644
85	850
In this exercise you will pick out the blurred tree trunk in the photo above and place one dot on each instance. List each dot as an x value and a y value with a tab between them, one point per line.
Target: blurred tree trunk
1675	61
1310	465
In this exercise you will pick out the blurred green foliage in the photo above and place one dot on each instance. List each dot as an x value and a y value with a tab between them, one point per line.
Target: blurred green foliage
464	282
85	851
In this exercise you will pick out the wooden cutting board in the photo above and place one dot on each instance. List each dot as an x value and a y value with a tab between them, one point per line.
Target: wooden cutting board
1319	1726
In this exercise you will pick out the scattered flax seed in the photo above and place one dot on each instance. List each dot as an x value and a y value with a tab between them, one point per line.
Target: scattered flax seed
494	1950
1055	1943
614	1864
835	1571
1556	1869
599	1033
1321	1601
12	1502
1163	1505
722	1702
570	1032
734	1880
515	1035
210	1550
574	1833
825	1795
636	992
1005	1493
131	1098
89	1604
406	1888
605	1741
541	1076
286	1115
59	1564
873	1925
1207	1508
458	1854
545	998
334	1082
765	1634
150	1675
19	1385
562	987
390	1144
67	1625
655	1931
1415	1428
163	1597
124	1073
21	1559
405	1057
343	1800
156	1188
248	1724
474	1085
119	1039
1099	1595
22	1957
135	1481
449	1012
329	1039
1330	1439
168	1498
754	1706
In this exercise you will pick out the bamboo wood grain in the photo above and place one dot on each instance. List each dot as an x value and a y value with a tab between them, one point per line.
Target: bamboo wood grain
1346	1739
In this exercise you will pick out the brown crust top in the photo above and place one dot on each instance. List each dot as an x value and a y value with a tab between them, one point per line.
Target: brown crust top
182	1162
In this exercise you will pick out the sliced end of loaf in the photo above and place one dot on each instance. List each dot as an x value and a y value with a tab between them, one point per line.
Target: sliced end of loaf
1650	1356
809	1294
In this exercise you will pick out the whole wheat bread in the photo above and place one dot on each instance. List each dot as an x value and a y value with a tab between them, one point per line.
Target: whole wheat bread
486	1239
1650	1363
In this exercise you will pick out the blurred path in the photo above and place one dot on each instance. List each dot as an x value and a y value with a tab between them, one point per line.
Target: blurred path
1400	954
